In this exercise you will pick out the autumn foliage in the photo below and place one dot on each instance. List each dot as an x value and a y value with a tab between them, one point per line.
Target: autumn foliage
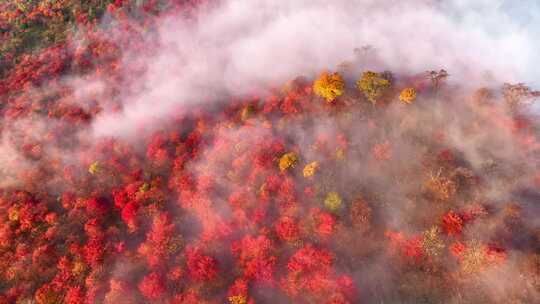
305	194
373	85
329	86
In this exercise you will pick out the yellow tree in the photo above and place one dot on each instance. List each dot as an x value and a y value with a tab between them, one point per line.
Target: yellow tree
288	160
373	85
310	169
329	86
333	201
94	168
408	95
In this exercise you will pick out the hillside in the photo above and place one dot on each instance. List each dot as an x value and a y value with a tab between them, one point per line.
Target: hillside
128	177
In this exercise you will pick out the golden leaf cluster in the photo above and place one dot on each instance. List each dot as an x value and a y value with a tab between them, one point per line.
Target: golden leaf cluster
94	168
287	161
333	201
237	300
373	85
310	169
329	86
407	95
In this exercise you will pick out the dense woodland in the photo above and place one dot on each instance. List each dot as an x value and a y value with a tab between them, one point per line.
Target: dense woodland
341	187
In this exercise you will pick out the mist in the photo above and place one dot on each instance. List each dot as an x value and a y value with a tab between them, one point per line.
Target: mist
246	47
190	158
